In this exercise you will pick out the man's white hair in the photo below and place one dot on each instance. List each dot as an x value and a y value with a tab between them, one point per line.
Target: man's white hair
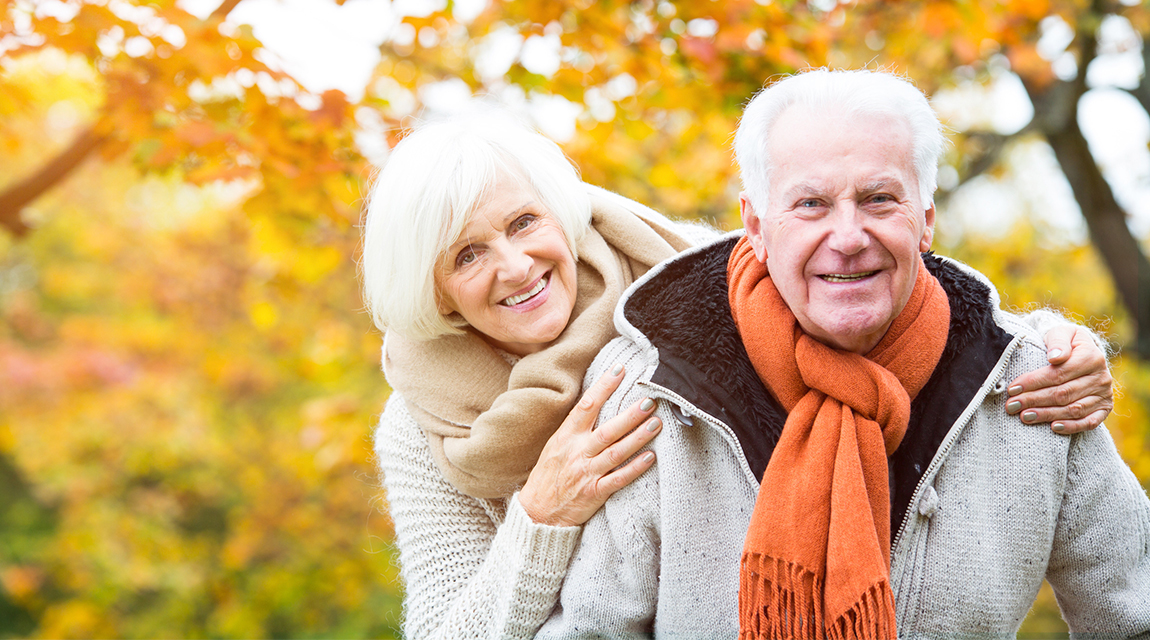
827	93
427	192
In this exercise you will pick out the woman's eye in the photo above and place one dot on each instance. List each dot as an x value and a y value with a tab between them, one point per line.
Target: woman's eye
522	222
465	257
808	203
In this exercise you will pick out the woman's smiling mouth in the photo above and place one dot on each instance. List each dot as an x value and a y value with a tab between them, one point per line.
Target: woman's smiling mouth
511	301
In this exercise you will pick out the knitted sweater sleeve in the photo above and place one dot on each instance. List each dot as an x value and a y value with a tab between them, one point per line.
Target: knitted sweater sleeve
471	568
1100	561
612	586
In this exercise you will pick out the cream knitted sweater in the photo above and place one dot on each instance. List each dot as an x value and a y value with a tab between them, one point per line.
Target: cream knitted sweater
473	568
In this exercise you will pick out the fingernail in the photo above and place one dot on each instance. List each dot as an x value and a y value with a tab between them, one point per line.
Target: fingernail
647	404
1054	353
1013	407
617	369
653	424
649	456
1015	390
1058	426
1029	416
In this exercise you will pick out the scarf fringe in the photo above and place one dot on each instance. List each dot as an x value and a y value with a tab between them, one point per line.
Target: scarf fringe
776	602
873	616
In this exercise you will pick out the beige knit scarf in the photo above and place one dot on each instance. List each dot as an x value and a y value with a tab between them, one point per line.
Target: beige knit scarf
487	420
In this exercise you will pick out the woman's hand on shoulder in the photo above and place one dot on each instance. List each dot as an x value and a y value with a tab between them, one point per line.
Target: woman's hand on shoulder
1074	393
579	467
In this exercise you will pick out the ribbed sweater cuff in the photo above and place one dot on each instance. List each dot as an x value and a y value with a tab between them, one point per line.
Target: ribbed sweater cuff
546	546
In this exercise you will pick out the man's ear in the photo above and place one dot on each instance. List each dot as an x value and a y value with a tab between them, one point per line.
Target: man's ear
928	231
756	233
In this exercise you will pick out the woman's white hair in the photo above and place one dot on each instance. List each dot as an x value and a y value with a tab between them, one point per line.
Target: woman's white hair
425	195
825	93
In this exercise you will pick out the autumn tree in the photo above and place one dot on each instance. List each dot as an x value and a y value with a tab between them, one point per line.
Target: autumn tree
186	379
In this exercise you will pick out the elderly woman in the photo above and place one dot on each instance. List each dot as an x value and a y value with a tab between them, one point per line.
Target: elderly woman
494	272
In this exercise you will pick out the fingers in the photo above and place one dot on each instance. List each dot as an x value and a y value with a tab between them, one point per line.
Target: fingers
1092	391
1081	415
1082	358
612	430
1073	396
1058	343
587	409
1071	427
626	446
626	474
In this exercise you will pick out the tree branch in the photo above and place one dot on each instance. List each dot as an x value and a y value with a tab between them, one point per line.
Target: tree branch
224	9
18	196
1141	93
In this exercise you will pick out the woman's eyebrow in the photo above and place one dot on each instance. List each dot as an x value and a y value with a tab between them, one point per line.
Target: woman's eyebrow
515	213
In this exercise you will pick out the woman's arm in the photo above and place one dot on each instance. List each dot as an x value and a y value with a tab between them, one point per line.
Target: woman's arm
472	571
462	561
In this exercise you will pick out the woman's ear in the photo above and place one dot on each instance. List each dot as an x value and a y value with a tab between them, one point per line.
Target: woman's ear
443	305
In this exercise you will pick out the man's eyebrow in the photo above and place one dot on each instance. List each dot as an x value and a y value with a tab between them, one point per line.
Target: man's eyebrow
882	184
803	189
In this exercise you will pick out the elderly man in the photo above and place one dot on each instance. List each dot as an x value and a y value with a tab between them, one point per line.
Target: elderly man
836	459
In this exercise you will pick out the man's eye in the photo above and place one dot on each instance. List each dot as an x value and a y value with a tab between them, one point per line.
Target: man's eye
808	203
881	198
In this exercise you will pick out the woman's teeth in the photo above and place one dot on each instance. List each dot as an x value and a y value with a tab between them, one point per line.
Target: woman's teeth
514	300
842	277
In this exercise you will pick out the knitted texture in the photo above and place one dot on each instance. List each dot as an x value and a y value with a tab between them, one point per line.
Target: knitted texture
472	568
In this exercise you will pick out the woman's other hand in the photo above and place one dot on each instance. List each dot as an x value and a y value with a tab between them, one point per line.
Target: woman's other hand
1073	393
579	467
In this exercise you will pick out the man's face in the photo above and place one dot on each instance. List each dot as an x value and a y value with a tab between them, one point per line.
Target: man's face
844	224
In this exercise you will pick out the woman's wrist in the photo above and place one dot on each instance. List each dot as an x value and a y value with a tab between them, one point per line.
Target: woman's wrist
538	514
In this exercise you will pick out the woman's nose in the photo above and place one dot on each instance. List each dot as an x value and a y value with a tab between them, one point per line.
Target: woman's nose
514	263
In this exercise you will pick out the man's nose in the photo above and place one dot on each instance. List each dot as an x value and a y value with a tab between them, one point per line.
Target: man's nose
848	235
514	265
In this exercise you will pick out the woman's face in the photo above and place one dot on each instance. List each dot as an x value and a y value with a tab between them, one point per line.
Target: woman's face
510	275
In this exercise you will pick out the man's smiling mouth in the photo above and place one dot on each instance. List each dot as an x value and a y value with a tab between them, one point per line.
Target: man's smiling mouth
847	277
514	300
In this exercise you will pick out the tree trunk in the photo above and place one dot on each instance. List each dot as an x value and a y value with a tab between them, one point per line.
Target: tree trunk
1056	115
1109	232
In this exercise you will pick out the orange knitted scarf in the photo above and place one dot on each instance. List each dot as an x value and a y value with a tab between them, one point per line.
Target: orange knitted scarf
816	561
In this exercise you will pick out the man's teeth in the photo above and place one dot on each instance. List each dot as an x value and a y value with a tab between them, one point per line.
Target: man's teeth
514	300
845	277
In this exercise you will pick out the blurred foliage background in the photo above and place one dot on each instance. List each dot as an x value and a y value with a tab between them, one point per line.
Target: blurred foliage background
187	382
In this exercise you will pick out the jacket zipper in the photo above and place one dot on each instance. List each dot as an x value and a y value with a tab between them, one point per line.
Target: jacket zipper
944	449
715	423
